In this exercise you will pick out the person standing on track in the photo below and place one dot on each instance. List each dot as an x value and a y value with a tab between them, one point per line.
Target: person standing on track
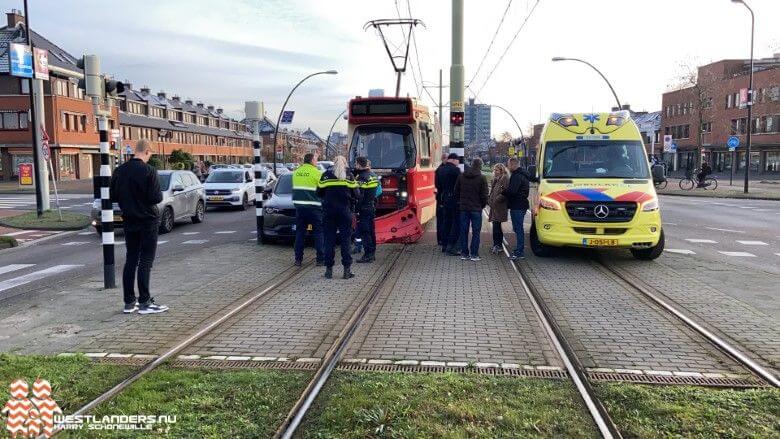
516	194
339	193
498	205
368	183
308	207
134	186
471	191
439	203
445	188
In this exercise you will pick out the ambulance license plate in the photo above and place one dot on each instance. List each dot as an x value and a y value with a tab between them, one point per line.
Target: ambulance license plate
309	228
600	242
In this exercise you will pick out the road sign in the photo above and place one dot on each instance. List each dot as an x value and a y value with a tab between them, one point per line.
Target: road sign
673	147
287	117
743	97
41	63
45	150
26	174
456	106
128	150
733	142
667	143
21	60
116	132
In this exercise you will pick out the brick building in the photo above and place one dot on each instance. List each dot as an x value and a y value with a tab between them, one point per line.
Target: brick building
293	144
71	124
715	101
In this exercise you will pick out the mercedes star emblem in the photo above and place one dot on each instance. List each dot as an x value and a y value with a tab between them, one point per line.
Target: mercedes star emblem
601	211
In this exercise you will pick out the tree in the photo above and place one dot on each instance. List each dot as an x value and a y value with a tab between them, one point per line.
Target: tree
155	162
180	159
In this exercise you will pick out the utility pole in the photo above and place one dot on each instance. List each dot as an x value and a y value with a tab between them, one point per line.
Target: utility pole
36	88
457	83
254	113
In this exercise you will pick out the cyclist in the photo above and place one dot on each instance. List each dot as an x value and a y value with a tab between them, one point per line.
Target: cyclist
705	171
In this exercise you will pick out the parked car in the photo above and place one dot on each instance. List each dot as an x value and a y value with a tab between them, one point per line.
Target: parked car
230	187
278	210
291	166
183	198
324	164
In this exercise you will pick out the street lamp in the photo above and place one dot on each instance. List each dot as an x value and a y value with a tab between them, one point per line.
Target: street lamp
278	120
522	136
560	58
750	95
327	139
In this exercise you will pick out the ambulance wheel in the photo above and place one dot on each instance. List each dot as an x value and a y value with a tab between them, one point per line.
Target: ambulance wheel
537	247
648	254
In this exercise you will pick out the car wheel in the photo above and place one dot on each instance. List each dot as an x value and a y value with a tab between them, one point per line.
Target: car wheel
245	202
200	213
648	254
166	221
99	230
537	247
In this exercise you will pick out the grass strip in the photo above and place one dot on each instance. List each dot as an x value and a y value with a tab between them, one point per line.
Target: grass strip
50	220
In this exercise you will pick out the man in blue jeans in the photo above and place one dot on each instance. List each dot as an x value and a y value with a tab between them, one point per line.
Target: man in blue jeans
471	191
516	194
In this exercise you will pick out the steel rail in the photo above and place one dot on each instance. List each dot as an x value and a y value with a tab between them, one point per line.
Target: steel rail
332	357
148	367
721	344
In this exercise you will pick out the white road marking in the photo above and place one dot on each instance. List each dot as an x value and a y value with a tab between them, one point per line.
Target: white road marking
680	251
701	241
752	242
161	242
190	233
747	207
14	267
253	231
75	243
196	241
224	232
668	224
739	254
725	230
22	232
85	233
762	210
27	278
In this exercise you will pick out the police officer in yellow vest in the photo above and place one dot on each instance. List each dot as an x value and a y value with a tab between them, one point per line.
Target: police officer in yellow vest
339	193
308	207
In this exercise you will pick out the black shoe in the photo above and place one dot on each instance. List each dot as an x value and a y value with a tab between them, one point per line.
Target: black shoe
298	263
320	264
328	272
453	253
356	250
347	273
366	259
130	308
152	308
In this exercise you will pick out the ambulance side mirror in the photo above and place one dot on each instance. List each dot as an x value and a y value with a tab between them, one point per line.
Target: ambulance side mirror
532	170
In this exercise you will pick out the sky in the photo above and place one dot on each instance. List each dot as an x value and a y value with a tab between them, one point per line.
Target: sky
229	51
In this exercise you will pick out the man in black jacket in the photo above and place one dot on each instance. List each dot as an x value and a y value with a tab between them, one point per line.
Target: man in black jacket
135	187
368	184
439	204
471	190
517	202
445	189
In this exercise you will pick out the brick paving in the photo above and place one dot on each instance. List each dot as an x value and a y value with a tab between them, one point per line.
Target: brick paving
611	326
445	309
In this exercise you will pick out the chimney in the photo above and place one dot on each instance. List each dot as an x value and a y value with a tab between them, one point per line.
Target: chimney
210	107
175	98
14	17
200	104
145	90
128	84
161	94
219	111
188	102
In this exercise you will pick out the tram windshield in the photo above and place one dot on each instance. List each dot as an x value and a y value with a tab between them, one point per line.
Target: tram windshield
599	159
386	147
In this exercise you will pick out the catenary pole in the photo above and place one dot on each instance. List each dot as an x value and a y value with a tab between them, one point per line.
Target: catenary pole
457	81
106	207
40	170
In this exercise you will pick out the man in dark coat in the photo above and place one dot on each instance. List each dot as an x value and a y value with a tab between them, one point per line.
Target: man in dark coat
445	188
439	204
471	190
516	194
136	189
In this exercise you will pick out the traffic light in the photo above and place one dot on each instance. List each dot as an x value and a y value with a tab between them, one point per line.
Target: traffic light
92	82
456	118
113	144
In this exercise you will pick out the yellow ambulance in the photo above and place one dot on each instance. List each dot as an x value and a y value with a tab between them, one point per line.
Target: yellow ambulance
595	187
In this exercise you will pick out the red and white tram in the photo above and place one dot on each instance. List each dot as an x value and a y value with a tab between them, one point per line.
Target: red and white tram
401	139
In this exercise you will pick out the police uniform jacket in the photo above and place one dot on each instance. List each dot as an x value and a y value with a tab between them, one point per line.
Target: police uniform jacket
367	183
337	193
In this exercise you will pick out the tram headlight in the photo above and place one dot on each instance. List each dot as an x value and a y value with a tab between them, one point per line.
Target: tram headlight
549	203
403	194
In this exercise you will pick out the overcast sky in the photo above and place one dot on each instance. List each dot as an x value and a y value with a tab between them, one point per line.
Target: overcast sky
228	51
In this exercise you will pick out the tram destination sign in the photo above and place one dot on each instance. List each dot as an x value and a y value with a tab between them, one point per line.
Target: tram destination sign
380	108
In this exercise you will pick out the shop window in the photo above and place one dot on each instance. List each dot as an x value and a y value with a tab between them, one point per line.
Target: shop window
772	162
16	159
67	165
11	121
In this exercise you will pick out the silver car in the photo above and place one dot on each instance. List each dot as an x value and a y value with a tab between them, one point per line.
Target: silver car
183	198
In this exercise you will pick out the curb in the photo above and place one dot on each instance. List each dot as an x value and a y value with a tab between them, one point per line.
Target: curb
37	241
678	194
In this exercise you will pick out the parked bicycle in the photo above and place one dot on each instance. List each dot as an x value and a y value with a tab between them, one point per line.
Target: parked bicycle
691	181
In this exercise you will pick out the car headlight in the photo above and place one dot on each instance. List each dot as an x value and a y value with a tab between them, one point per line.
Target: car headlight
650	206
271	210
236	190
549	203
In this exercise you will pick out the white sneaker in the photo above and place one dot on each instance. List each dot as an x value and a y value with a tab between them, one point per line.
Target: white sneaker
464	258
152	308
475	259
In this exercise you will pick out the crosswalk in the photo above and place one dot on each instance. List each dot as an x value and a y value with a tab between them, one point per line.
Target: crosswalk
32	274
26	201
709	243
24	236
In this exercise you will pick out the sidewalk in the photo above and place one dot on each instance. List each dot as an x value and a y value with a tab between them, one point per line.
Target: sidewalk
758	190
83	186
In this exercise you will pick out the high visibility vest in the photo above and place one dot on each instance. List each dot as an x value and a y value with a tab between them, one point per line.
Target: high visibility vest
304	182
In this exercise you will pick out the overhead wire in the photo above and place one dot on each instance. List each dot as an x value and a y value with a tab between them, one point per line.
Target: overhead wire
411	31
417	57
492	41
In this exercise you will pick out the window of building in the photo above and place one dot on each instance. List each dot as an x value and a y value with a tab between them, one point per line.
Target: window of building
14	120
686	131
773	94
706	103
706	127
772	161
67	164
24	85
728	101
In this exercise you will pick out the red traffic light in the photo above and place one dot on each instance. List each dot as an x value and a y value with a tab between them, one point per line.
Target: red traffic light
456	118
113	144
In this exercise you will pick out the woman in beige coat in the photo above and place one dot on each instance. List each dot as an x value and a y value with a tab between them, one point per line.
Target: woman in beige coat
498	205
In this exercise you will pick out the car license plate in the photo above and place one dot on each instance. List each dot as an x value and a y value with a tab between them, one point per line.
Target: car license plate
600	242
309	228
216	198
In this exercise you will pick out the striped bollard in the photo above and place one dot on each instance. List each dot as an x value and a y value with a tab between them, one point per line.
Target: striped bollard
259	194
106	207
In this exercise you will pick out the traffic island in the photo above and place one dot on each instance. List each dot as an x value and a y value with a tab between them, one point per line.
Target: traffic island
50	220
7	242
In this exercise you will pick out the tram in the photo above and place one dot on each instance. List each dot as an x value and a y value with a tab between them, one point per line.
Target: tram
402	141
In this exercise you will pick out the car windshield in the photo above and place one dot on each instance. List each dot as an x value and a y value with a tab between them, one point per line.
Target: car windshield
225	177
284	185
165	180
386	147
595	159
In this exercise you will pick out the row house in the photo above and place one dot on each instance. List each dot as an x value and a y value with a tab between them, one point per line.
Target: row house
714	106
292	144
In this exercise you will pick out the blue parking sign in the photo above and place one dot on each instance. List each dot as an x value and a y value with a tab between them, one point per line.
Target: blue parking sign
287	117
733	142
21	60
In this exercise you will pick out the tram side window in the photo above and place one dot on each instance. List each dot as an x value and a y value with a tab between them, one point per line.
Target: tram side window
425	146
386	147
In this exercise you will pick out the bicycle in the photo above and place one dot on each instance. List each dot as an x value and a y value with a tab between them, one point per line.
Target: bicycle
691	181
660	184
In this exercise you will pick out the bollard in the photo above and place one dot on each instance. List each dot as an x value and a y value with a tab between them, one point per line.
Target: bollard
107	209
257	145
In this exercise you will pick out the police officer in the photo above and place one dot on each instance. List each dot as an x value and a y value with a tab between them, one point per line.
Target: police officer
308	207
339	193
368	184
